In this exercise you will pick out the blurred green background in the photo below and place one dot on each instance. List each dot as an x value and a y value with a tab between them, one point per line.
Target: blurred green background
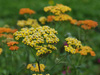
81	10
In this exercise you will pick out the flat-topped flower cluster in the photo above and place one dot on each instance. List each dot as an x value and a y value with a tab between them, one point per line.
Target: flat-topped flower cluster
40	38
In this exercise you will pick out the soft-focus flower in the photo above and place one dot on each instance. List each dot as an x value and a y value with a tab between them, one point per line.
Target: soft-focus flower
6	35
92	53
42	20
1	51
35	67
62	17
14	48
50	18
73	21
57	9
7	30
21	23
65	44
85	24
12	43
26	11
29	22
84	50
98	60
64	72
73	44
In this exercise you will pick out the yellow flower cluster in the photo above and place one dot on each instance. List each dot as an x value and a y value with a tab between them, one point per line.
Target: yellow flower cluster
59	12
35	67
62	17
43	20
29	22
40	38
75	46
72	45
57	9
0	50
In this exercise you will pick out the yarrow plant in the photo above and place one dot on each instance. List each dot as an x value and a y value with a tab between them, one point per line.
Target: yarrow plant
26	11
74	46
58	9
59	12
36	68
7	34
42	20
29	22
1	51
40	38
12	45
85	24
50	18
42	42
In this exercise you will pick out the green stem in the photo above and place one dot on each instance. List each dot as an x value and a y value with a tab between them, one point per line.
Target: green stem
79	33
6	58
12	63
39	66
78	64
27	61
85	37
37	61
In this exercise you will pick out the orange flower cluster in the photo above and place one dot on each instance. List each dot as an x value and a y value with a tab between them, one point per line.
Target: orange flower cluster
26	11
14	48
85	50
6	35
11	43
85	24
73	21
50	18
7	30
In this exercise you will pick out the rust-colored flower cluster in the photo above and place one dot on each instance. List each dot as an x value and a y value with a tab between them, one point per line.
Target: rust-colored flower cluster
85	24
26	11
75	46
85	50
7	30
73	21
50	18
6	35
12	45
